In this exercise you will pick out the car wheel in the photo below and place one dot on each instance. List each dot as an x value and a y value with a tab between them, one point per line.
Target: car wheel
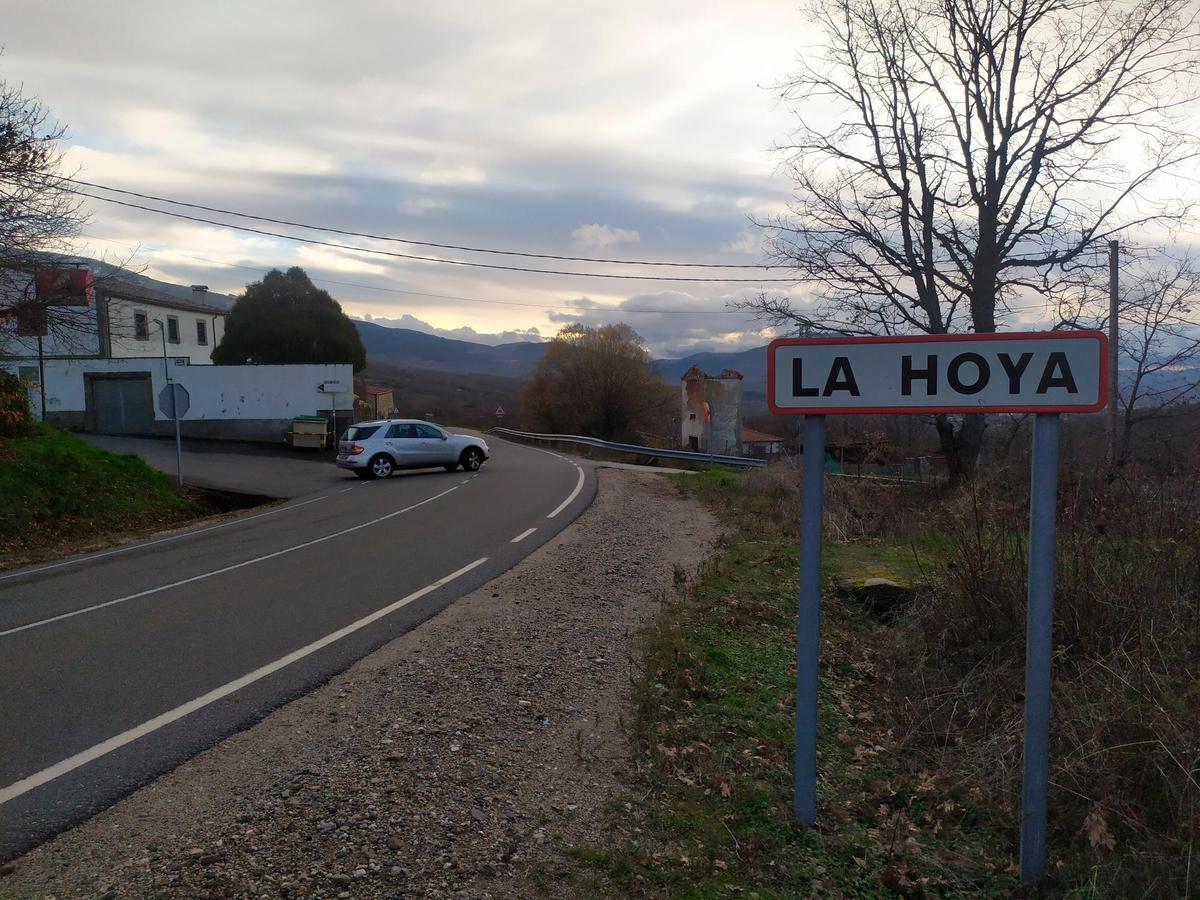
472	459
381	466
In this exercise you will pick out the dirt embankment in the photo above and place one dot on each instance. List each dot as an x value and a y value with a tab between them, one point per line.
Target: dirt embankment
452	762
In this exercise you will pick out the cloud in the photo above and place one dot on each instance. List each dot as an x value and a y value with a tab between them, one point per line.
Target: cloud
600	237
676	323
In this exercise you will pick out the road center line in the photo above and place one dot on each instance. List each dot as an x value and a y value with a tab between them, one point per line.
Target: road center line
36	780
174	537
578	485
571	496
224	569
524	534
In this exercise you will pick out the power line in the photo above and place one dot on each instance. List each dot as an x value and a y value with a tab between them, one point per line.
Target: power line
413	241
430	259
391	290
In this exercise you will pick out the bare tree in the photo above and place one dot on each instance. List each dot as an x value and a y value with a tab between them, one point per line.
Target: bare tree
39	220
984	147
1158	346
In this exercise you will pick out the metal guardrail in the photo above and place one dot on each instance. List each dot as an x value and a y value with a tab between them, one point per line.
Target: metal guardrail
713	458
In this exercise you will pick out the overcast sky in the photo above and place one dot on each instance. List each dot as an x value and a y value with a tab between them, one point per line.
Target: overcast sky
636	130
633	130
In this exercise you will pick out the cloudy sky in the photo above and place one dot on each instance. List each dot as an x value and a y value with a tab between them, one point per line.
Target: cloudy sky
625	130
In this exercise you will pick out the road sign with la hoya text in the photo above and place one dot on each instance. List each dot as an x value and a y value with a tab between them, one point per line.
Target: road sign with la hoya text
1045	371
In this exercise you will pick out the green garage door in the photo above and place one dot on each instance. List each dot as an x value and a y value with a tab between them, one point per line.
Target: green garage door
121	404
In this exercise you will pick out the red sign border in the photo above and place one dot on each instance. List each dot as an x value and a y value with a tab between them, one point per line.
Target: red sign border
1099	336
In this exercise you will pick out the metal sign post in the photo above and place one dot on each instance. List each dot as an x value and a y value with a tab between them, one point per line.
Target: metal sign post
1046	373
174	400
808	621
1039	629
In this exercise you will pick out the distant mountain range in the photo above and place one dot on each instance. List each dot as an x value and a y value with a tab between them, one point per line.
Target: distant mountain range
418	350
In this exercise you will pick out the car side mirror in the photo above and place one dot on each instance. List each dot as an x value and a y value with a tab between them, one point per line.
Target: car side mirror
444	438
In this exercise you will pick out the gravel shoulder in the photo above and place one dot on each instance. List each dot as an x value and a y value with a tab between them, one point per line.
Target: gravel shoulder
455	761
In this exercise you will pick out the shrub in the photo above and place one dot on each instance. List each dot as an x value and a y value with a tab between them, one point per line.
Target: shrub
14	405
1125	777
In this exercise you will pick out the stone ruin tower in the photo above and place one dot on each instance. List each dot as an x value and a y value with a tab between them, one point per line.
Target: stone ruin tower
723	394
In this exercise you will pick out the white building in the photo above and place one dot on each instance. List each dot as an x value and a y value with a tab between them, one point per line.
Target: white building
135	322
108	351
116	316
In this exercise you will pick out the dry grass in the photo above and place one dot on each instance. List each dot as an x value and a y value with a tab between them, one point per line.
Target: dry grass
1125	801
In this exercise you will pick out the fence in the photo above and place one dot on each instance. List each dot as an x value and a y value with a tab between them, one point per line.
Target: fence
635	449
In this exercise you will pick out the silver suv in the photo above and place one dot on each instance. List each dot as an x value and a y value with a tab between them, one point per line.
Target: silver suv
376	449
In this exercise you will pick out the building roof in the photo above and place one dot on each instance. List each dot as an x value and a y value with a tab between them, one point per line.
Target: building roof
750	436
123	290
377	391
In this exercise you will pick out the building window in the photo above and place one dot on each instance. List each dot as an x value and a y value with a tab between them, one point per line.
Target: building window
201	332
141	326
172	330
691	417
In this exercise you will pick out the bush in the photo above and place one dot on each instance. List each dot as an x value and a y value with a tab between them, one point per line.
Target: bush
14	405
1125	776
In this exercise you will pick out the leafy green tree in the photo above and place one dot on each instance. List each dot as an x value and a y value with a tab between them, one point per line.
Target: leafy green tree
285	318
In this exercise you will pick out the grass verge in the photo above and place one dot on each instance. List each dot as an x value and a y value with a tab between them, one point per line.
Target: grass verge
709	812
59	492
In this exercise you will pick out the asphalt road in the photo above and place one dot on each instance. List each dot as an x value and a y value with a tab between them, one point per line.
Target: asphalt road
119	665
264	470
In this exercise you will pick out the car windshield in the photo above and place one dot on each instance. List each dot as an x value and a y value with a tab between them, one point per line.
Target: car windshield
359	432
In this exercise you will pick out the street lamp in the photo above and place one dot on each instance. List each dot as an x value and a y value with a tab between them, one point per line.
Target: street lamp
162	330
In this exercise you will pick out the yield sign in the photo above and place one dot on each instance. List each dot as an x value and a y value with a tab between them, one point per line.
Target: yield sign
500	411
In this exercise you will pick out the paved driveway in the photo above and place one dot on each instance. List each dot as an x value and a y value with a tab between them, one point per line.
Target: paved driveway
266	470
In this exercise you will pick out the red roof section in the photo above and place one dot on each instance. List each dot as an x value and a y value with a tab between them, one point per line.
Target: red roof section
376	391
750	436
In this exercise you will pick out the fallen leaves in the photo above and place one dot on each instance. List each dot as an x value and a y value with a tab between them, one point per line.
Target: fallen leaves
1095	826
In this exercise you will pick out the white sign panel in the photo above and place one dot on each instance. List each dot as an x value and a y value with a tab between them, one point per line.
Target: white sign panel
1008	372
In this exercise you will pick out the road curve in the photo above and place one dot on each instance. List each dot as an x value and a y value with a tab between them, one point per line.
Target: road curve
119	665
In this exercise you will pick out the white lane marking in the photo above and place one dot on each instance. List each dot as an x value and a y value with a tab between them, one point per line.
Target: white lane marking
224	569
571	496
578	485
174	537
345	490
464	481
524	534
17	788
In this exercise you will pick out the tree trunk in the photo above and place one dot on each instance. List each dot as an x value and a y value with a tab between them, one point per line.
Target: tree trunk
961	445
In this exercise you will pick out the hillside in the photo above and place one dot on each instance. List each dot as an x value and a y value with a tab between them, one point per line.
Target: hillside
751	363
452	398
60	492
417	350
407	349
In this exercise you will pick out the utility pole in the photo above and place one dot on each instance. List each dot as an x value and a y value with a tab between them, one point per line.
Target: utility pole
162	329
41	376
1113	252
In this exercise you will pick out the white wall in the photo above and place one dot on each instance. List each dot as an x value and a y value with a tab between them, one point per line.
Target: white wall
217	394
124	342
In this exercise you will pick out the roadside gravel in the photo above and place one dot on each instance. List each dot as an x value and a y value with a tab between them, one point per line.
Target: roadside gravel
454	762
